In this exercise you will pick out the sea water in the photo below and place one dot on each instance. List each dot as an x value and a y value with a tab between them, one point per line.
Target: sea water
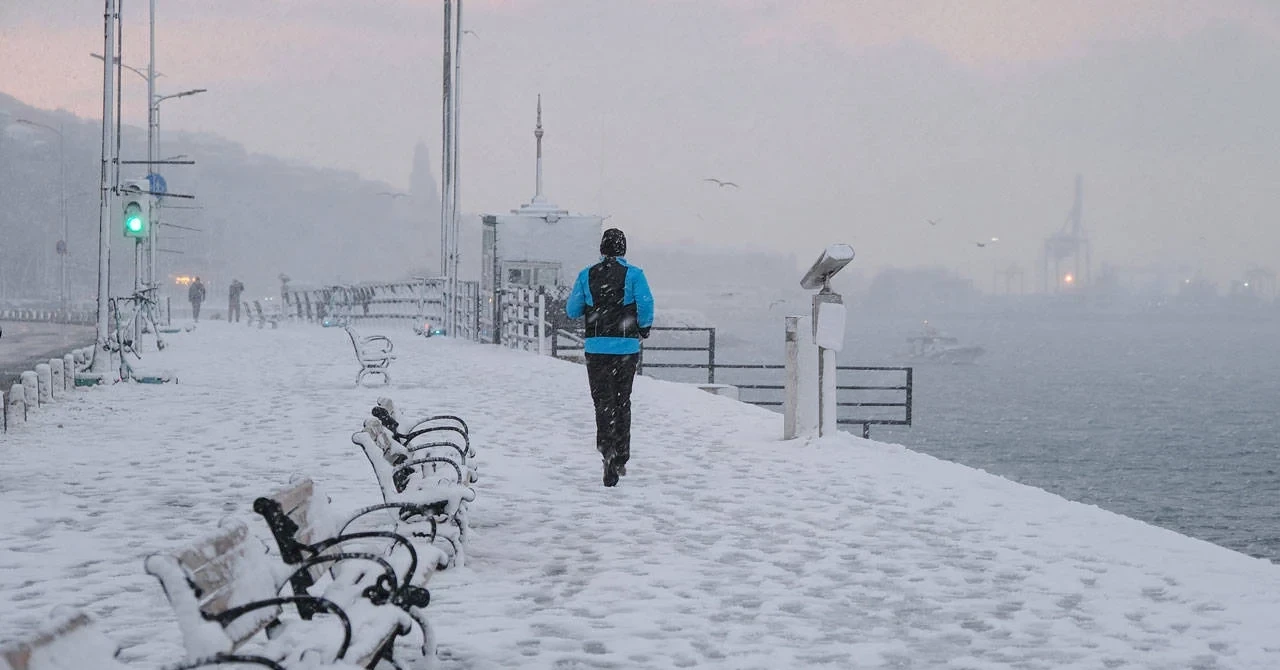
1170	418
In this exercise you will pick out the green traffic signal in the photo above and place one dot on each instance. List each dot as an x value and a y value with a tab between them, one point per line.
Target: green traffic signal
135	220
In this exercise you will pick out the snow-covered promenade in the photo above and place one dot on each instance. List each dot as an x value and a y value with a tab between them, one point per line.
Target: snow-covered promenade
724	547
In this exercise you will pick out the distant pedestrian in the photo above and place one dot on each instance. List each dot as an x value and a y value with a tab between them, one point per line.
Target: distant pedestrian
615	300
233	297
196	295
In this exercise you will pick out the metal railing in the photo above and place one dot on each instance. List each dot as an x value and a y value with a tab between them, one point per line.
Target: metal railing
76	316
905	404
522	324
877	397
422	300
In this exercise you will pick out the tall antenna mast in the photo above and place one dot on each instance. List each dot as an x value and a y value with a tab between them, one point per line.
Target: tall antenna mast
537	134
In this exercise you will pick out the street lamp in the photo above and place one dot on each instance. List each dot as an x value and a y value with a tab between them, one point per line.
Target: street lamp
132	69
62	205
153	150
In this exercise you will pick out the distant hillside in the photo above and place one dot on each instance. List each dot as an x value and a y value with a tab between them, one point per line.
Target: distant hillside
257	216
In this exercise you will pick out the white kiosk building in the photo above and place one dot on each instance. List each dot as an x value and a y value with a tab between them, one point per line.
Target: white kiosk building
537	246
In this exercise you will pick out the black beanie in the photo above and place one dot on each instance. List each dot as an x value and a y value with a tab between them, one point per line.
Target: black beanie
614	243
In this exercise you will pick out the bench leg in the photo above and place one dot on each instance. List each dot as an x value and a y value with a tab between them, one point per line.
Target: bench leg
386	376
428	637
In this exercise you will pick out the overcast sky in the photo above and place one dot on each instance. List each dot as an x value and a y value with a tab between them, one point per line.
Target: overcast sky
841	120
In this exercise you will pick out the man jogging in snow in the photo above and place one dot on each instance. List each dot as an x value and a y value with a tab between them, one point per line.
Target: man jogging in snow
615	299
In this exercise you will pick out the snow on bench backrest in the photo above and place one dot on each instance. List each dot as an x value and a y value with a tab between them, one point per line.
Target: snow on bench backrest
220	572
378	451
308	519
70	642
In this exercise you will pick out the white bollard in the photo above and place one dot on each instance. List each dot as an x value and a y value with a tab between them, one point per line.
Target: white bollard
16	407
31	390
56	385
44	383
69	371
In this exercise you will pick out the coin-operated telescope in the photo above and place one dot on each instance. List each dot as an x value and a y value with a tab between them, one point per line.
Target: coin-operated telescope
829	317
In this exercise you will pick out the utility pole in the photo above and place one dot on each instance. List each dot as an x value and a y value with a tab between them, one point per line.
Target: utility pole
446	168
63	249
455	224
153	216
106	204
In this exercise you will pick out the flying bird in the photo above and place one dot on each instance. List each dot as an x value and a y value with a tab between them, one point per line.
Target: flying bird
933	222
470	32
719	183
393	196
983	244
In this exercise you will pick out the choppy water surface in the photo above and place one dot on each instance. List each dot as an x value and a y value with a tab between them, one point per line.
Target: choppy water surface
1169	419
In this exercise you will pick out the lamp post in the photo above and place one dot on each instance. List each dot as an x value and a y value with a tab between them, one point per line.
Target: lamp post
153	132
62	205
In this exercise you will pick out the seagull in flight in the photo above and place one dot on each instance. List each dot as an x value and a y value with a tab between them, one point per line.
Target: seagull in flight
719	183
933	222
983	244
393	196
470	32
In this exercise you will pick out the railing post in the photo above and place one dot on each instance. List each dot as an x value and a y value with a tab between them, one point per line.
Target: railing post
908	396
69	371
542	322
711	356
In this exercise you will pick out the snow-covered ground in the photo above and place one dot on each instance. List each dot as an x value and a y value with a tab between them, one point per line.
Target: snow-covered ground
723	547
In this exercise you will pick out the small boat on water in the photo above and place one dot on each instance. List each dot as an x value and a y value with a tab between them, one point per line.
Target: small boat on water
931	346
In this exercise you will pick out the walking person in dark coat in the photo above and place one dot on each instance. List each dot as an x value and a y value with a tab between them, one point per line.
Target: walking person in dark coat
615	300
196	295
233	299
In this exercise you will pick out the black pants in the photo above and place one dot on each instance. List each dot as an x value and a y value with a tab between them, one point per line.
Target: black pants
195	310
611	376
233	308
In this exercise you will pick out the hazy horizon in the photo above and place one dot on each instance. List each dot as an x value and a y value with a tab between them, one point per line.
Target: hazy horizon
841	122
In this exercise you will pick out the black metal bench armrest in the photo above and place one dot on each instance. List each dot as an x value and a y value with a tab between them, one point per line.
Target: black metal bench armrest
438	417
381	593
419	447
229	615
415	508
394	537
411	435
408	465
229	659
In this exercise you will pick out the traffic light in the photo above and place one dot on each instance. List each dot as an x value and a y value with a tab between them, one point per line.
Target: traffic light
135	219
136	211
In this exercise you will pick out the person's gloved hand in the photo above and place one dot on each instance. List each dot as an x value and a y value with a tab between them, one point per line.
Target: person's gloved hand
644	333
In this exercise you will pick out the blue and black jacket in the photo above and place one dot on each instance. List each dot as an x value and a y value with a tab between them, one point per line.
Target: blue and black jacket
615	299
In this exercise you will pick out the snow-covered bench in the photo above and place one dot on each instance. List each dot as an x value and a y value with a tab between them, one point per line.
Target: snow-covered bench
400	481
373	353
435	473
70	641
319	543
225	589
310	532
253	313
